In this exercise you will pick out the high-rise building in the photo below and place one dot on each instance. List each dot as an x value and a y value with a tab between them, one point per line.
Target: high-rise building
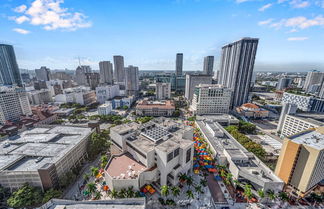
92	80
43	74
13	103
163	91
194	80
119	68
301	160
80	75
131	80
179	64
105	93
209	65
312	78
211	99
287	109
236	68
106	72
283	83
9	71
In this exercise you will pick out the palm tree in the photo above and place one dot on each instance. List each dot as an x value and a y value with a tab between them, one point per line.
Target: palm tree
122	193
97	195
165	190
283	196
190	194
113	193
86	177
271	194
94	171
247	191
91	187
237	183
198	189
182	177
261	193
315	198
130	192
189	181
203	182
175	191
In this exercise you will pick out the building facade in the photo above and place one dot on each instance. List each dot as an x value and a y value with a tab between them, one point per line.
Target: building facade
9	73
106	72
163	91
155	108
131	80
194	80
236	68
283	83
209	65
301	161
92	80
105	93
211	99
179	64
119	71
314	77
304	102
105	109
43	74
38	97
250	110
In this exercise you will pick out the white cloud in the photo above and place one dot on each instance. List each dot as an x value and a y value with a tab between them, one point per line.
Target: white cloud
297	38
50	15
299	3
300	22
267	6
21	31
265	22
20	9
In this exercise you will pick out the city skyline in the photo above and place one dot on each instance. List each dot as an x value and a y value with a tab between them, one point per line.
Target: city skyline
164	29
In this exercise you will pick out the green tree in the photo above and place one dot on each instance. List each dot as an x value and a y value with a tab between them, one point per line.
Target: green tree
50	194
176	113
271	194
247	191
165	190
130	192
190	194
113	194
283	196
97	195
104	160
189	181
86	177
98	143
198	189
25	196
203	182
261	193
193	118
175	191
91	187
182	177
94	171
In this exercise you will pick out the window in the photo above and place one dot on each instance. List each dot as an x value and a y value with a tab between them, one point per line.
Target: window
188	155
170	156
176	152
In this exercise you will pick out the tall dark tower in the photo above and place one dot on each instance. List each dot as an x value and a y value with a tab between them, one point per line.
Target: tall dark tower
9	71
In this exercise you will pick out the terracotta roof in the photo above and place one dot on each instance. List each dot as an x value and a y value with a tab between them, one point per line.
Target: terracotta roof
250	105
161	105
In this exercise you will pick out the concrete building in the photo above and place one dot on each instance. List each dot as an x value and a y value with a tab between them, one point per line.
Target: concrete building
287	109
119	71
154	152
294	124
9	73
43	74
13	103
211	99
80	76
250	110
81	95
236	68
304	102
283	83
105	109
194	80
55	86
38	97
313	77
106	72
105	93
131	80
41	156
301	161
244	165
209	65
179	64
92	80
119	101
155	108
163	91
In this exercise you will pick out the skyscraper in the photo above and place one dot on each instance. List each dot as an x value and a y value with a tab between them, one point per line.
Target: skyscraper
9	71
314	77
209	65
283	83
131	80
179	64
119	68
43	74
194	80
236	68
106	72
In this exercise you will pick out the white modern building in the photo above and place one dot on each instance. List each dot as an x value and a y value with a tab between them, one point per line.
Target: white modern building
14	102
194	80
163	91
154	152
106	72
80	95
304	102
211	99
41	156
105	93
105	109
244	165
312	78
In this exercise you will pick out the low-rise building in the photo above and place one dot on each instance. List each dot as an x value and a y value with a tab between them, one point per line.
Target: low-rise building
163	91
80	95
41	156
119	101
304	102
301	161
105	93
155	108
244	165
250	110
154	152
38	97
105	109
211	99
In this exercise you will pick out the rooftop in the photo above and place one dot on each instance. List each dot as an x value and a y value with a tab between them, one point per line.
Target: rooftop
124	167
312	138
144	104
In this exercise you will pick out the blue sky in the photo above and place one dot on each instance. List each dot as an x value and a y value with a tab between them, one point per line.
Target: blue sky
149	33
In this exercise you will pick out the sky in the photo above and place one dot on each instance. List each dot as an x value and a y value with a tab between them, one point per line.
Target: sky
149	33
